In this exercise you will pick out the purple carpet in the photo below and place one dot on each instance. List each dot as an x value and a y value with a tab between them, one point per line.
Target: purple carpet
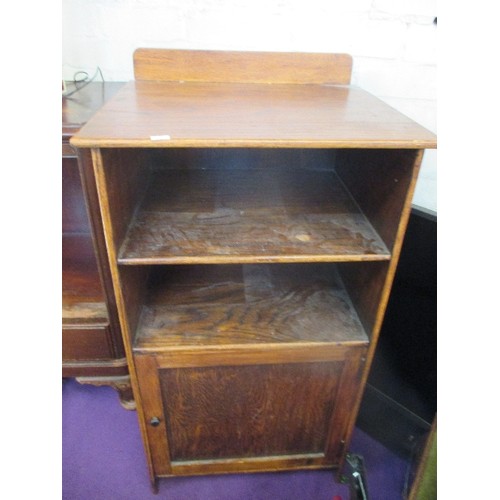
103	459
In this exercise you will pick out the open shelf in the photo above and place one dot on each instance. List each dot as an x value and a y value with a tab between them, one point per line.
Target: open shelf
83	301
247	304
249	215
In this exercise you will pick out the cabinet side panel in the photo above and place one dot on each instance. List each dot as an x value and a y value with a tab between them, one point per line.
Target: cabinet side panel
133	280
379	180
126	176
398	172
99	241
365	282
249	411
382	184
120	189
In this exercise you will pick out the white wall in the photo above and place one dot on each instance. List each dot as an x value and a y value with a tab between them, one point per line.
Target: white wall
393	43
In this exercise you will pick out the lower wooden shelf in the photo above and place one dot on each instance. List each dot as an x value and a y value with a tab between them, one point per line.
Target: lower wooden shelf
189	306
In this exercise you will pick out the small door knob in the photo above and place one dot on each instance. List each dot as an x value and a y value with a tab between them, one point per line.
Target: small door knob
155	421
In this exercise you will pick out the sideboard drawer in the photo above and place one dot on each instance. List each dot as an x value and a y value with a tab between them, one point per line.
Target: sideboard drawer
85	343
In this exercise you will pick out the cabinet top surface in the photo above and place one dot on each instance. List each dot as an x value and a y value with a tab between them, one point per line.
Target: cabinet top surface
194	114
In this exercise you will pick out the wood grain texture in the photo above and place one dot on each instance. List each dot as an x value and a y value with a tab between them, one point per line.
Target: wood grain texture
196	114
251	304
279	214
242	67
251	464
248	411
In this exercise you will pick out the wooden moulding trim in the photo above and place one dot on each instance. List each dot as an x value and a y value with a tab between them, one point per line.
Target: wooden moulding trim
100	180
261	464
72	323
227	355
252	259
90	368
103	142
111	363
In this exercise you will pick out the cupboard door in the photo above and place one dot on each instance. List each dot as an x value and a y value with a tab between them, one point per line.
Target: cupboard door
247	415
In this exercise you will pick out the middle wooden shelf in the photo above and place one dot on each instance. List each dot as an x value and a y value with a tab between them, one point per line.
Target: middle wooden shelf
211	208
237	305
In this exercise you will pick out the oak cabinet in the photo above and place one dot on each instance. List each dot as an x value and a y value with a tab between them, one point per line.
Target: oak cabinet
253	220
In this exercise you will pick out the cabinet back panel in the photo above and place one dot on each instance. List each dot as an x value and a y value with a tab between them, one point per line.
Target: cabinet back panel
243	158
243	411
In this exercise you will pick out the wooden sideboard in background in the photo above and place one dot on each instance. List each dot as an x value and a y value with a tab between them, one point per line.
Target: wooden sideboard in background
92	346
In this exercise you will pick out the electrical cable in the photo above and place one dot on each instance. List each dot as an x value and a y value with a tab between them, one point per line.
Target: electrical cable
80	83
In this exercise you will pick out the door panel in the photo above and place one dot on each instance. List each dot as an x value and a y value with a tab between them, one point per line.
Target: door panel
246	415
247	411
